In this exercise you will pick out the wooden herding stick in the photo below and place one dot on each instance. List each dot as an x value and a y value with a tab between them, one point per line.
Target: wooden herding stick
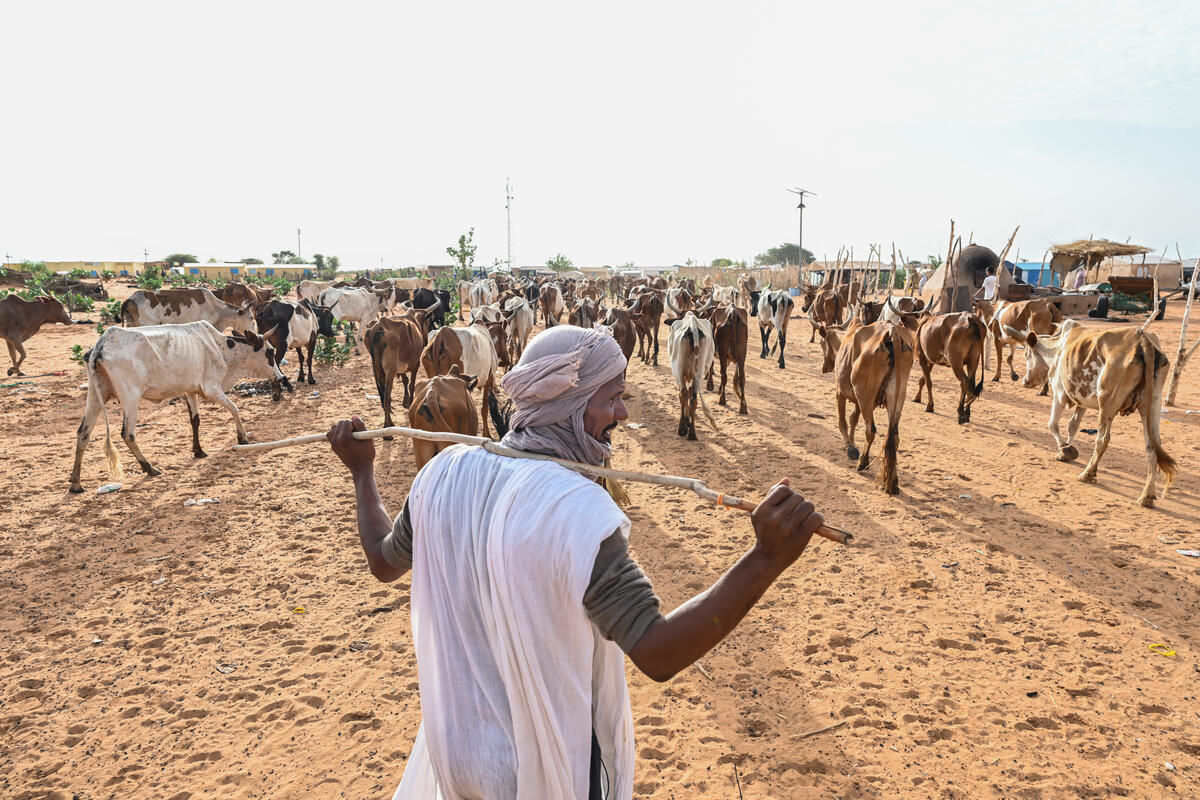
696	485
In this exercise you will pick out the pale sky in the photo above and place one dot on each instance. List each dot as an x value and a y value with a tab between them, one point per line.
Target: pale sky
650	132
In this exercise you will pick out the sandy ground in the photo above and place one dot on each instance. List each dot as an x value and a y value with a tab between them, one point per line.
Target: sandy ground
989	638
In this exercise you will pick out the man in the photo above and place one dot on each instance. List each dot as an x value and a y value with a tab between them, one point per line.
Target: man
524	594
1080	278
988	290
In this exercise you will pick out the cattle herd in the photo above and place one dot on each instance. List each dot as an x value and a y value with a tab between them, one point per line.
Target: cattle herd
173	343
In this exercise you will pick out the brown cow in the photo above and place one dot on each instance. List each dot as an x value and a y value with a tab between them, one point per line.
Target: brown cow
442	403
1038	316
586	314
956	341
646	312
1114	372
873	363
731	331
395	345
824	307
20	319
624	331
242	294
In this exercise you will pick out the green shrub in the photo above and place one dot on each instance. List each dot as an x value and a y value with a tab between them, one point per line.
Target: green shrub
79	302
78	274
332	353
100	328
77	354
107	275
110	311
147	280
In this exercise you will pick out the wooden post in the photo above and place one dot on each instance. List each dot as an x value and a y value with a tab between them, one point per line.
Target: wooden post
1182	355
946	267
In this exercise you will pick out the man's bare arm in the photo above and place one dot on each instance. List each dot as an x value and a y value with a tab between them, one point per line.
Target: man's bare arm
783	524
374	523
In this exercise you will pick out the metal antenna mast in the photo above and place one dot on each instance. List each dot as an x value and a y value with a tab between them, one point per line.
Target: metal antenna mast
800	238
508	196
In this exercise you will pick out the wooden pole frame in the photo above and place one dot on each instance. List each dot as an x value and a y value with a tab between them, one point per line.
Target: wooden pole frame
1183	354
694	484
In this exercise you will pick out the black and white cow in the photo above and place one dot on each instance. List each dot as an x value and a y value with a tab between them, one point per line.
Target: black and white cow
774	311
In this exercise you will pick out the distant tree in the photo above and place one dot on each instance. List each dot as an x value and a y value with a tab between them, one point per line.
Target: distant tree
286	257
722	262
914	263
212	261
251	261
559	263
319	261
785	253
179	259
934	261
464	254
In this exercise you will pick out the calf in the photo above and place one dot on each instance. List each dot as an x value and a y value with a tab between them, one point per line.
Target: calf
473	350
956	341
646	312
824	307
160	362
690	348
730	338
1112	371
1038	316
169	306
774	311
748	290
20	319
481	293
873	363
355	305
291	324
551	300
442	404
488	313
395	345
725	294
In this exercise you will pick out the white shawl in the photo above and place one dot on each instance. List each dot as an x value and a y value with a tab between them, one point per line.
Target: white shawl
512	673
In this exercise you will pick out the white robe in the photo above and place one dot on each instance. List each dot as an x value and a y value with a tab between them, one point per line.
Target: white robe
513	675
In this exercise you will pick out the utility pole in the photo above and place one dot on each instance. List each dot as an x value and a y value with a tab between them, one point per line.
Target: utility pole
800	237
508	196
145	255
297	243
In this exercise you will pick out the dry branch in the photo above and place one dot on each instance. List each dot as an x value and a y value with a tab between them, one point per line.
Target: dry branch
694	484
1183	354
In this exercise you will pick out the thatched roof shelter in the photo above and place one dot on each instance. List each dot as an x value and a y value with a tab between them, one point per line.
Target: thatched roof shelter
1088	253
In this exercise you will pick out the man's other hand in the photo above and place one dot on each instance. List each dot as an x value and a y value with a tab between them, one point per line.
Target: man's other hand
784	522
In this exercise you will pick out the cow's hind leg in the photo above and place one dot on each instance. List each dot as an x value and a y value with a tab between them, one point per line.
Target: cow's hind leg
847	429
739	383
682	428
965	391
129	405
90	412
194	417
866	407
765	333
782	337
1102	435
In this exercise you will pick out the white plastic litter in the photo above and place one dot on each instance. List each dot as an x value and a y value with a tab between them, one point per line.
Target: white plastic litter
108	487
635	425
200	501
965	497
316	393
158	581
97	640
372	397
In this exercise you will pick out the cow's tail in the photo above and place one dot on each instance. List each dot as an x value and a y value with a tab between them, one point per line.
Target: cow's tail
1154	361
375	348
115	473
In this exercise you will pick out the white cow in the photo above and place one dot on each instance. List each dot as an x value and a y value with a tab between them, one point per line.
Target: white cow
482	293
311	290
357	305
145	307
691	349
551	300
519	325
160	362
487	313
678	301
725	294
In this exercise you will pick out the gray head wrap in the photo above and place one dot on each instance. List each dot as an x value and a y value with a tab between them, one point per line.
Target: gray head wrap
550	387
